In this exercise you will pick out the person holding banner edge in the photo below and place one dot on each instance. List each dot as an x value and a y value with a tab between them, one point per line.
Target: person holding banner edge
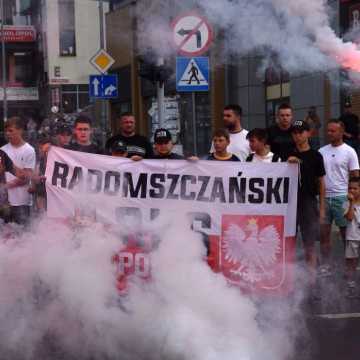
311	185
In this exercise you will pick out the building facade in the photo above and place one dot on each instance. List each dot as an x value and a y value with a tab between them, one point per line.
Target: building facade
22	61
70	37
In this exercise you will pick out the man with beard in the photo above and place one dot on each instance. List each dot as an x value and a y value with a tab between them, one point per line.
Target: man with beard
138	146
280	139
239	144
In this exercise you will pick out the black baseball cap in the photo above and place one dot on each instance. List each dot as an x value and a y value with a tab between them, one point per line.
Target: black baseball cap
119	146
64	129
300	125
162	136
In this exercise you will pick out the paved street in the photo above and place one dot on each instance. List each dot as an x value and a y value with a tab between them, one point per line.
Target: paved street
333	322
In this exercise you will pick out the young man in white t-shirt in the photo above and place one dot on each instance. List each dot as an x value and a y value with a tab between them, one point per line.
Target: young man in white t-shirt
23	156
258	141
239	145
341	163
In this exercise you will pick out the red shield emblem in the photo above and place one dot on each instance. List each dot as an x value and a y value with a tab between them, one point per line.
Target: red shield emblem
253	251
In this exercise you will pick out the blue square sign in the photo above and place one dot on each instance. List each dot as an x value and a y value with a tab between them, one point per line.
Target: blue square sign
192	74
103	86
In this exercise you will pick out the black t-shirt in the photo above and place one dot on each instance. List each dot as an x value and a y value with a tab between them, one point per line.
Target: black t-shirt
351	122
171	156
280	142
92	148
233	158
311	169
136	145
7	162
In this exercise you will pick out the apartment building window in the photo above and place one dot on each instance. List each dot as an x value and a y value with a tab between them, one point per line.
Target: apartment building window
75	98
67	27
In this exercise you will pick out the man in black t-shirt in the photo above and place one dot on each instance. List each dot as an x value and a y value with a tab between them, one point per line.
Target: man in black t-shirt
82	137
280	139
163	145
311	185
138	146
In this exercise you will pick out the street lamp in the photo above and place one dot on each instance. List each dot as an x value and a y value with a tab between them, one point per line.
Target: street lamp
3	57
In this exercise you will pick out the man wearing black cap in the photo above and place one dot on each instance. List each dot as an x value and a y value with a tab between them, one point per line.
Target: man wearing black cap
63	135
119	149
311	184
351	122
163	145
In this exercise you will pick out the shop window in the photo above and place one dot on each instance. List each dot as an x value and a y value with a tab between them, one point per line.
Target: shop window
75	98
23	68
277	89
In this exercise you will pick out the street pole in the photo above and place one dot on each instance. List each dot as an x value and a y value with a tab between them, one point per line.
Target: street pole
3	57
160	90
104	103
193	97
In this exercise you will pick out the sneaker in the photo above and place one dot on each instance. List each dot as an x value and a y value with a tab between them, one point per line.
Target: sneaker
351	289
324	271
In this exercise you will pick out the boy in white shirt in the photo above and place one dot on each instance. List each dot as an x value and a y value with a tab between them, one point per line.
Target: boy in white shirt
352	215
23	156
258	141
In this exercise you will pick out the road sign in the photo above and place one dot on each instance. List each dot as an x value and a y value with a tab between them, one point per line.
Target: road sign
102	61
103	86
192	34
192	74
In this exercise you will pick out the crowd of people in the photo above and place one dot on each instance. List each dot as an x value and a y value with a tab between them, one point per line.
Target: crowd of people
329	182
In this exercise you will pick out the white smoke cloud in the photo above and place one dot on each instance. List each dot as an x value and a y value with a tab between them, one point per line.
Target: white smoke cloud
296	32
59	297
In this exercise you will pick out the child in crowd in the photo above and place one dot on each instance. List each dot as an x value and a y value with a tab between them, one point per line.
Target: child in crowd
221	140
258	141
164	146
352	215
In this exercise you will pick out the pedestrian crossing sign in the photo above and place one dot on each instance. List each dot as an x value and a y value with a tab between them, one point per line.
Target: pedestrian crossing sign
192	74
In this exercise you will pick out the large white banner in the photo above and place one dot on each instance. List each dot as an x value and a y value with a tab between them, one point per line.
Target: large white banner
241	205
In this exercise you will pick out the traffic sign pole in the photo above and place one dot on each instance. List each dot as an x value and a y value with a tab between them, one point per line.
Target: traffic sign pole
160	89
103	103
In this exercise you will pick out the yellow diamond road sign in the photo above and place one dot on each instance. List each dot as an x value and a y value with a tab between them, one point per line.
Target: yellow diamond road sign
102	61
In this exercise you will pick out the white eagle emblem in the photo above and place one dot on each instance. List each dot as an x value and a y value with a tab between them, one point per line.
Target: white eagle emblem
251	252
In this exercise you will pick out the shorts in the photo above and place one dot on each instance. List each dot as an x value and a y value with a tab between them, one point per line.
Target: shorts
334	210
352	249
308	220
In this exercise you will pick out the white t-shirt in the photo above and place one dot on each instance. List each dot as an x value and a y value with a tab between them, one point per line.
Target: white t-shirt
239	145
353	227
338	161
24	158
264	159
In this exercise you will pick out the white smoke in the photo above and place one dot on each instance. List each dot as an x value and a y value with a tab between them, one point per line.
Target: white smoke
59	296
297	33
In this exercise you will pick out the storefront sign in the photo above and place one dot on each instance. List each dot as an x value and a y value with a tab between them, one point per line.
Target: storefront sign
20	94
19	33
